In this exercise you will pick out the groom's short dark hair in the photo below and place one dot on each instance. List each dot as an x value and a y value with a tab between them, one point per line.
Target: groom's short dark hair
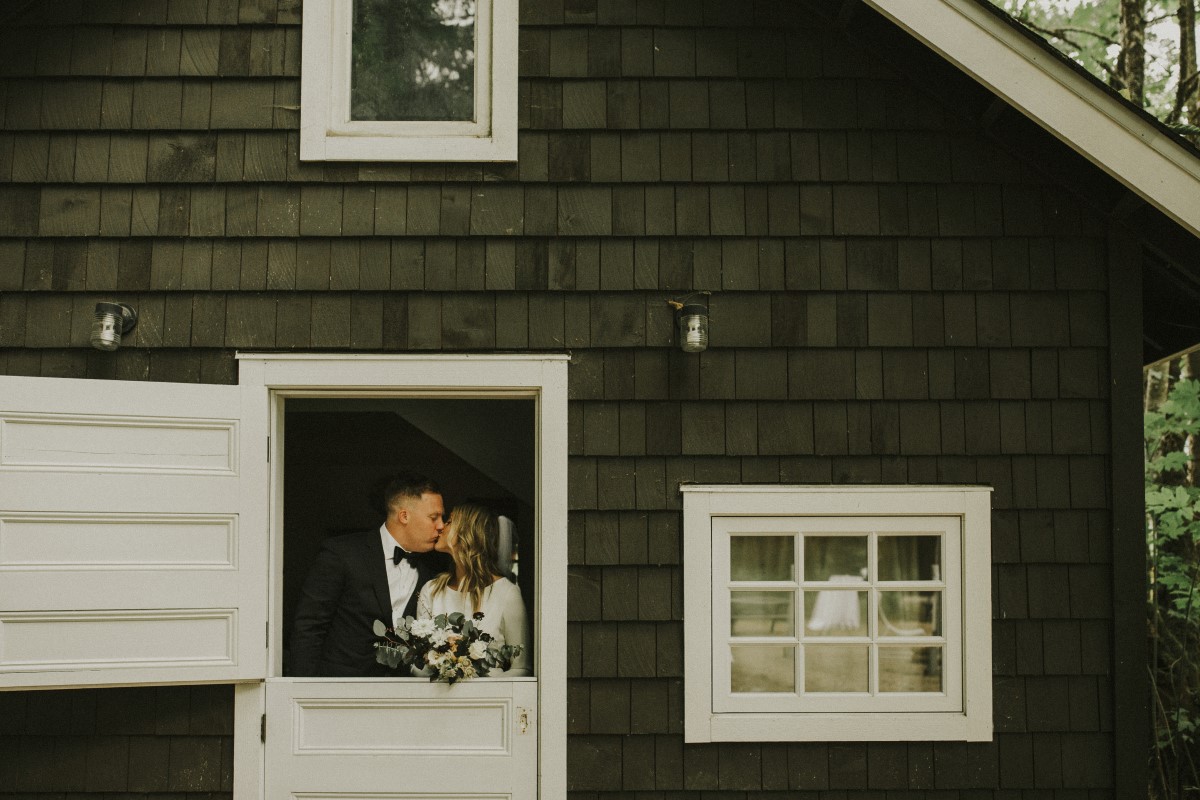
405	486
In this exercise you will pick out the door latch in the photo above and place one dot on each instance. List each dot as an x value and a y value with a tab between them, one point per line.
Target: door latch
522	720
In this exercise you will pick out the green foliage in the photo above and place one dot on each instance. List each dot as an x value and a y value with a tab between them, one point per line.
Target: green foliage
1173	540
413	60
1087	32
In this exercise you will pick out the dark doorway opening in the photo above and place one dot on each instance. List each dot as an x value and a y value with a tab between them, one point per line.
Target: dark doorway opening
338	450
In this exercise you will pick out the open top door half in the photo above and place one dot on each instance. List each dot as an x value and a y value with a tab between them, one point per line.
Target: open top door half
133	534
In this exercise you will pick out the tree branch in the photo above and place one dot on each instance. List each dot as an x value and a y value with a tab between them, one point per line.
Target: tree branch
1062	35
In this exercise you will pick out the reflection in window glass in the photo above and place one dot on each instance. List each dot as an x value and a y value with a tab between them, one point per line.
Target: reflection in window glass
761	558
413	60
910	614
762	614
835	612
827	557
836	668
910	669
910	558
763	669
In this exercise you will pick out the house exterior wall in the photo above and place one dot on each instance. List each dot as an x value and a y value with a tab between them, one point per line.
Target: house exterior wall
896	299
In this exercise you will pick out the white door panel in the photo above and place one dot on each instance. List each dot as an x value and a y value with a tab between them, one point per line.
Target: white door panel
401	738
133	535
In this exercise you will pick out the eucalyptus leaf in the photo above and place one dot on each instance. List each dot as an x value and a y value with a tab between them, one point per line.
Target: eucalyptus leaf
379	628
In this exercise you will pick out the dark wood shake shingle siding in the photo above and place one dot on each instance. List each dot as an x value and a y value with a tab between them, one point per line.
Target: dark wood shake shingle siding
897	298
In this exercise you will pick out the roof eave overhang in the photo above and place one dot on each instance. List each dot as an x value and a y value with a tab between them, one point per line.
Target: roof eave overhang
1084	116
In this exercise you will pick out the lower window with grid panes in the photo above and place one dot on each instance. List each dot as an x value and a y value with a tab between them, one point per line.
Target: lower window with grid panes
837	613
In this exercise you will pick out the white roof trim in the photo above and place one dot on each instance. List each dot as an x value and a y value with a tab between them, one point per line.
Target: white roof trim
1068	105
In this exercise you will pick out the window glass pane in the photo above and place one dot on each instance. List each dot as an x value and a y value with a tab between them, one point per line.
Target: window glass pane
762	558
827	557
763	668
910	558
910	614
835	612
762	614
836	668
910	669
413	60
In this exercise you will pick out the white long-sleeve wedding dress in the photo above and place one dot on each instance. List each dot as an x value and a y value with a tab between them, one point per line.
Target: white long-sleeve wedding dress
503	616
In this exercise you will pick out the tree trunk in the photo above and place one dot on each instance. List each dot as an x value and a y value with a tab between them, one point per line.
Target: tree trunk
1187	99
1189	370
1132	61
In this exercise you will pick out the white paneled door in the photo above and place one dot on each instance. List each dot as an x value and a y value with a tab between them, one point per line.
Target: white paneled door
132	534
403	739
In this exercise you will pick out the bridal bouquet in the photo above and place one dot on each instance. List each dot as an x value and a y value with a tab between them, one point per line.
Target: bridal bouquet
449	647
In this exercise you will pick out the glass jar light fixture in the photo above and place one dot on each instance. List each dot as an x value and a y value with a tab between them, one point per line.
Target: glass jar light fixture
112	321
691	320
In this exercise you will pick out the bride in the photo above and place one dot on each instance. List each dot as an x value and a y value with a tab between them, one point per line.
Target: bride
470	538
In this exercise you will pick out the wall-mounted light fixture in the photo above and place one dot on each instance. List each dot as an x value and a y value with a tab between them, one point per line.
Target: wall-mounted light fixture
113	320
691	319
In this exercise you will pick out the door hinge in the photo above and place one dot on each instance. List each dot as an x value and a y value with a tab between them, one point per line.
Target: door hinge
267	638
268	449
262	729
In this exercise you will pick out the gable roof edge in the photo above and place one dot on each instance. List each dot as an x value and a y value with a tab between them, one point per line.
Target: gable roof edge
1068	105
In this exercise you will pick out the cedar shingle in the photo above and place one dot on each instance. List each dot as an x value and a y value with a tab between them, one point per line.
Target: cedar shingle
312	265
128	51
660	212
91	159
545	105
330	320
66	211
469	265
266	156
454	217
594	761
199	51
632	531
440	264
156	104
74	104
250	320
497	210
242	103
281	265
583	104
637	649
29	157
688	104
60	166
269	53
320	210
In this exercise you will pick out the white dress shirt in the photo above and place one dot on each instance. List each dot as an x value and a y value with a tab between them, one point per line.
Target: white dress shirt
402	577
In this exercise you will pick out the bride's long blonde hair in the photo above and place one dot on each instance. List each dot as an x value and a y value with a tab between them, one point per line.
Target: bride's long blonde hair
476	531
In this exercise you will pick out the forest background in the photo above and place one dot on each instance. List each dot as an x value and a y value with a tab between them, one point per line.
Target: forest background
1144	49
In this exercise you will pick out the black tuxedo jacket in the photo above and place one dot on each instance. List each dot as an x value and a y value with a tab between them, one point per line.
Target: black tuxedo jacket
346	591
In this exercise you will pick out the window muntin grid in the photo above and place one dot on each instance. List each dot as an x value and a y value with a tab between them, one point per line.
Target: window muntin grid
840	613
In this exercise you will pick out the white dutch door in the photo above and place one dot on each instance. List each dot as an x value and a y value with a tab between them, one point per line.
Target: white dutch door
132	546
406	738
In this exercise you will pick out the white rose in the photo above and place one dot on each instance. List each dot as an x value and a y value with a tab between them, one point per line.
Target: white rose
438	636
423	627
477	650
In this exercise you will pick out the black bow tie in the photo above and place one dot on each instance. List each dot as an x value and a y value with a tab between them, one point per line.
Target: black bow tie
399	555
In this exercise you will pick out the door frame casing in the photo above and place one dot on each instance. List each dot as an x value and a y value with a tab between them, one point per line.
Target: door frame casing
267	379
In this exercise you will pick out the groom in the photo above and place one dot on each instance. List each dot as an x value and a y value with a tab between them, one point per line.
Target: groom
361	577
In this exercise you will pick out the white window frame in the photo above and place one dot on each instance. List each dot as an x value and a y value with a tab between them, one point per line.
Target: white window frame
962	712
328	134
